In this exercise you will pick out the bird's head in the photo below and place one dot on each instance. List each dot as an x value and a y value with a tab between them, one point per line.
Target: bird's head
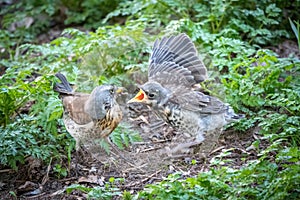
106	94
152	94
102	99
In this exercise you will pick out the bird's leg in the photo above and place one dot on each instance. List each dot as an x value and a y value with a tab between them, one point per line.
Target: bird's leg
78	150
107	139
211	140
183	148
76	164
78	154
119	154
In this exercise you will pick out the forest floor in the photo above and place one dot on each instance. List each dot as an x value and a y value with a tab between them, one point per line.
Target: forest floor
138	165
34	180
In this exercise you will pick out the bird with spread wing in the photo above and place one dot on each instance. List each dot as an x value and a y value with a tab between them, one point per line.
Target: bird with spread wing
174	70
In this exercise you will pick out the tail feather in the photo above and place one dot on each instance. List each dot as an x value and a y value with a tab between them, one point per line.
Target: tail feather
230	115
64	87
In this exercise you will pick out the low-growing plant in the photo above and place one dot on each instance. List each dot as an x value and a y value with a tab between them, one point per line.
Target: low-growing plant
123	136
258	22
20	22
24	137
295	25
28	129
88	12
60	171
258	180
266	88
108	191
29	77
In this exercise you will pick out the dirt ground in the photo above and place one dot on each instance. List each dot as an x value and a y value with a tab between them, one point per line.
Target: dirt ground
140	164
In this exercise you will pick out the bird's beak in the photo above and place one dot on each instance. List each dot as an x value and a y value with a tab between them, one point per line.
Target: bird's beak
139	97
119	90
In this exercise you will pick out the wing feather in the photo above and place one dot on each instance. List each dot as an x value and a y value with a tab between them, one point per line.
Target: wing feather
198	102
179	50
174	64
172	76
74	106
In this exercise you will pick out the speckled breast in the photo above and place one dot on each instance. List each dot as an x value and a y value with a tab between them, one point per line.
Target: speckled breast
174	117
182	120
111	120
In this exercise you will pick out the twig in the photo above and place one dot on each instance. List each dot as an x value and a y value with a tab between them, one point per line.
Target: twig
67	179
150	149
46	177
215	150
36	196
152	142
119	155
143	180
58	192
137	167
6	170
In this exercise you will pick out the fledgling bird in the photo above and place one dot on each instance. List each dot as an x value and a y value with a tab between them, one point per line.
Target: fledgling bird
174	70
89	117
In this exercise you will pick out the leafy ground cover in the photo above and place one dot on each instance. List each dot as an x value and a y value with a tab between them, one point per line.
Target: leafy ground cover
251	49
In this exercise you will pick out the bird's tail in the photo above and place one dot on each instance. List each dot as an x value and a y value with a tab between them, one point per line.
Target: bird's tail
64	87
230	115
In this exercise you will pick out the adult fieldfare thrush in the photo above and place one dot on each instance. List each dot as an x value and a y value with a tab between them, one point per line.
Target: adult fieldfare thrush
89	117
174	70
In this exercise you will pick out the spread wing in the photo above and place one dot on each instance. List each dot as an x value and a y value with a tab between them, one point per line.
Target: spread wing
198	102
171	76
174	64
180	51
179	81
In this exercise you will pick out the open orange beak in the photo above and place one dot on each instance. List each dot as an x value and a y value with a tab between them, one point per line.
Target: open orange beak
139	97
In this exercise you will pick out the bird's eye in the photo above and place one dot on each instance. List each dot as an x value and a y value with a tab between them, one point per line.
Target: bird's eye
151	95
112	91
